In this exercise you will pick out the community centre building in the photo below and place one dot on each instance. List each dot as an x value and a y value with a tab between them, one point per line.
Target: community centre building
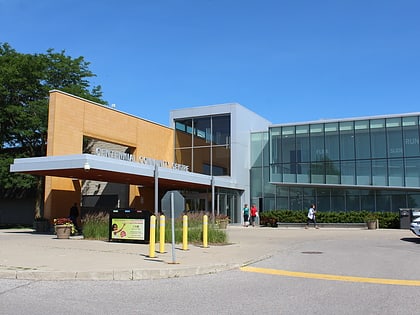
221	157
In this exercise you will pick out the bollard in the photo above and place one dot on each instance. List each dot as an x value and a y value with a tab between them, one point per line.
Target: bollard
162	234
184	232
205	230
152	236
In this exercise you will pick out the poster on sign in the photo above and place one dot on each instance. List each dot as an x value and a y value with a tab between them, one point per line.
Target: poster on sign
132	226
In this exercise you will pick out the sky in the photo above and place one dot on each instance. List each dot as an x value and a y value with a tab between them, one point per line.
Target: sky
286	60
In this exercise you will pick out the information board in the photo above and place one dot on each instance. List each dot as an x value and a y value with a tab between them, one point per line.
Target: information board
128	225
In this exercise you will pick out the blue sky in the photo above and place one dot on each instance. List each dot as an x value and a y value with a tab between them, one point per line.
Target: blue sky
289	61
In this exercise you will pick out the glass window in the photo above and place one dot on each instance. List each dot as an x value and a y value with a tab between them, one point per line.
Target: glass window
411	136
323	199
318	173
398	200
379	173
288	148
257	150
378	138
275	144
367	199
338	200
202	161
221	160
317	142
352	200
362	139
221	129
396	172
256	182
348	173
412	172
183	133
302	143
363	172
394	134
383	201
413	199
303	172
184	156
346	140
296	198
276	173
289	172
202	131
332	147
332	172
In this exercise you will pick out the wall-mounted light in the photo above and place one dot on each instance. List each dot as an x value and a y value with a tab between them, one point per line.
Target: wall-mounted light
86	167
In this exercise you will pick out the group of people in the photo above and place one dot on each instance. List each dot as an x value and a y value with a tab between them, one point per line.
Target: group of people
249	215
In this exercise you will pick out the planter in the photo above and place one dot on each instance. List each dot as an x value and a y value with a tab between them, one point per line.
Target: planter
371	225
223	224
63	231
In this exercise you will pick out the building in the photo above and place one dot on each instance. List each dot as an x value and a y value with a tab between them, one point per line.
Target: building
368	163
222	156
104	159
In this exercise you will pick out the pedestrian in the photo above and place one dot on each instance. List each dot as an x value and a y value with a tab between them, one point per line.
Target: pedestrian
245	213
254	215
311	216
74	214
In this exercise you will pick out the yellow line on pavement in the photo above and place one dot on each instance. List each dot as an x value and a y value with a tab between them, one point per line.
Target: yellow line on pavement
330	277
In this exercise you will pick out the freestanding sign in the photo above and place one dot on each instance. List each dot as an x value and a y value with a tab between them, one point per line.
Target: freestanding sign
130	226
178	203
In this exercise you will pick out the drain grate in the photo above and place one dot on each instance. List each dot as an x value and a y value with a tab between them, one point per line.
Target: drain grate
312	252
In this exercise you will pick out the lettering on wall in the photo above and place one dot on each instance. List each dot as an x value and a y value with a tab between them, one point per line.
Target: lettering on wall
113	154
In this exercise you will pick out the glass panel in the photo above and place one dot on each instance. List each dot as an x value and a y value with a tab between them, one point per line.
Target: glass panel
275	145
379	173
396	172
302	144
183	133
367	199
317	142
378	138
383	202
221	160
288	148
352	200
411	136
289	173
332	147
268	188
256	149
394	134
413	200
348	173
202	134
363	172
318	173
221	129
412	172
323	199
184	156
338	200
276	174
346	141
362	139
296	198
201	161
282	203
303	172
398	200
282	191
256	182
332	172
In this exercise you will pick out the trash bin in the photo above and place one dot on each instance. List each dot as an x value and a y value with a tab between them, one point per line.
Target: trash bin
405	218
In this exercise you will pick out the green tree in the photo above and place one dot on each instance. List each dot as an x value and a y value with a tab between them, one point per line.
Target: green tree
25	82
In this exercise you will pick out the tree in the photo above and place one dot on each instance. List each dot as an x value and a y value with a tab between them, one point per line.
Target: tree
25	82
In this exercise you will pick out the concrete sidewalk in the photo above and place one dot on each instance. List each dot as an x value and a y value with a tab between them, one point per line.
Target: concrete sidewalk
27	255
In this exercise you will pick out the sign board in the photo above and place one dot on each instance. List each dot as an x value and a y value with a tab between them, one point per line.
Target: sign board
179	204
130	226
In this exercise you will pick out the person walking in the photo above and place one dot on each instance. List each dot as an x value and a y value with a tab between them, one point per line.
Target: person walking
254	215
245	213
311	216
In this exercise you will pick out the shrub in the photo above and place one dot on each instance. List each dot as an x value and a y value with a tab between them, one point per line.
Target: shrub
96	226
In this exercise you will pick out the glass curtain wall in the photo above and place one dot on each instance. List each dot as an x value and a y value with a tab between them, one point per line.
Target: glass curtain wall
369	164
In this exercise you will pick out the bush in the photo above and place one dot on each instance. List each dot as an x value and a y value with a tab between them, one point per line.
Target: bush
96	226
388	220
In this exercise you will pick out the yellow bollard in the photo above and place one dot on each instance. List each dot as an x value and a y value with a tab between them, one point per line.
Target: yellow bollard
162	234
205	230
184	232
152	236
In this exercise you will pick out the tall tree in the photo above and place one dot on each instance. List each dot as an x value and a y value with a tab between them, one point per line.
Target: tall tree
25	82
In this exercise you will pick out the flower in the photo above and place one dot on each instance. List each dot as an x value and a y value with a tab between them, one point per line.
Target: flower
63	221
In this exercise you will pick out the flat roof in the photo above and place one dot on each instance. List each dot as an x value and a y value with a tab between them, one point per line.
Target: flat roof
99	168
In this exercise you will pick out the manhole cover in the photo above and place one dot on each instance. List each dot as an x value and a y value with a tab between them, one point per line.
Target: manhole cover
312	252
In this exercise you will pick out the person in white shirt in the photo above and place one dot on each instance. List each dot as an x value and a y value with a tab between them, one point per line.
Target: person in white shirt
311	216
